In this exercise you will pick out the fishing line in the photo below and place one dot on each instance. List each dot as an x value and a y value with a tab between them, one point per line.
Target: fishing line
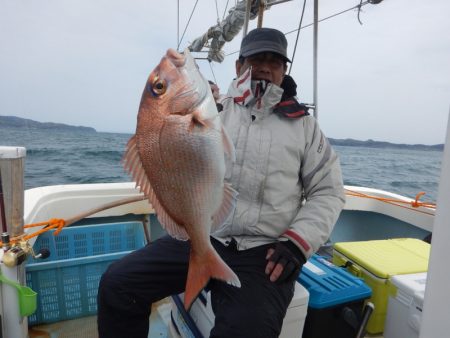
298	34
192	13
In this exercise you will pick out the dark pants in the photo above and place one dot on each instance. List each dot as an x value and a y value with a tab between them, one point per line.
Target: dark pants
129	287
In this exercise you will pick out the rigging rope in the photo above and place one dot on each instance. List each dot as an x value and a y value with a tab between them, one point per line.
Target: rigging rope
192	13
178	23
217	11
332	16
298	35
225	10
323	19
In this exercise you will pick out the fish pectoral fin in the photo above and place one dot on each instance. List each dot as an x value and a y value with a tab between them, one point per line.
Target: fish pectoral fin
228	145
167	222
227	207
201	269
199	120
133	164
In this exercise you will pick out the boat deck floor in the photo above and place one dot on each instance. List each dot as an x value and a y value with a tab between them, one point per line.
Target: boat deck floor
86	327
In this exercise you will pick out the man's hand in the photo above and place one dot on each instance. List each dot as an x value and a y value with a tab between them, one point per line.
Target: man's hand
285	262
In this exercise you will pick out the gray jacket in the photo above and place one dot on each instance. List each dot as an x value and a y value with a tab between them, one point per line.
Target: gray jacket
276	159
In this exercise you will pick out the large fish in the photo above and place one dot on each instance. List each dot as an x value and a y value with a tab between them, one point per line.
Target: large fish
177	159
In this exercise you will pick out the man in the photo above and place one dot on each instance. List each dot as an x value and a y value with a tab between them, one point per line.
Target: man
281	156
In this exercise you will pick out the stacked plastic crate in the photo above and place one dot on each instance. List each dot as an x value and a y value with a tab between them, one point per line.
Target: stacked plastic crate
67	281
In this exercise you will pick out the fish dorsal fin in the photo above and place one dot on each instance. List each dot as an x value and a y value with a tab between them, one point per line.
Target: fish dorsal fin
228	145
133	165
227	207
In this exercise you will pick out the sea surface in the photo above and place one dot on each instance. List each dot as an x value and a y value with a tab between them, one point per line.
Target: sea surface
72	157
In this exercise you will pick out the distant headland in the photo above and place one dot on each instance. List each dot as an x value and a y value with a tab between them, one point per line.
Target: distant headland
380	144
18	122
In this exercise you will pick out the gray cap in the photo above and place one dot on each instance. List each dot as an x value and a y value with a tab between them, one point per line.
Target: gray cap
262	40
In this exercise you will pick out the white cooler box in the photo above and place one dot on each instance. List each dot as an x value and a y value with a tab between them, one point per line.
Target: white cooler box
200	319
405	304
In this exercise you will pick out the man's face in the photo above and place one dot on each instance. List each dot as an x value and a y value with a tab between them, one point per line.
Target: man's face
265	66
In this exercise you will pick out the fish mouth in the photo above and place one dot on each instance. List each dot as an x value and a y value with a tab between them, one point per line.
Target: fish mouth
195	91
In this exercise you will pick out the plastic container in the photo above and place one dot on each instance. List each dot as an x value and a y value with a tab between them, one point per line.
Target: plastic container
67	281
26	297
336	300
377	262
200	319
405	304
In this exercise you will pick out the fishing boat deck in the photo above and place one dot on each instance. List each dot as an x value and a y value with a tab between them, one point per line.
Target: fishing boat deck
86	327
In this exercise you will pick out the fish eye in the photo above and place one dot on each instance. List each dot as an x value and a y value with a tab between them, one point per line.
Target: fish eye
159	86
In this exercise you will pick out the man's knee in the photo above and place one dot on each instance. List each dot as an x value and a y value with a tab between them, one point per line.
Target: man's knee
115	294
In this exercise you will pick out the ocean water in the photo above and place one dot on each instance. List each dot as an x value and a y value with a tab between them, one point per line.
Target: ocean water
55	157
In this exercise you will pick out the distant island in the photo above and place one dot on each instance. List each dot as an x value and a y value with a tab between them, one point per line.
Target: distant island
380	144
18	122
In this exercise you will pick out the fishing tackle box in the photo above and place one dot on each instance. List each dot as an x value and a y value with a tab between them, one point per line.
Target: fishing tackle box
198	322
336	299
377	261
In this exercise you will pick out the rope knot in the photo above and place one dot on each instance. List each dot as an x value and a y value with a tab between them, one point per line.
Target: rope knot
57	223
416	203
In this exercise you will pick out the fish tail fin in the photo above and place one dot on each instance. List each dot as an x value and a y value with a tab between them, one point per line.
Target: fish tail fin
201	269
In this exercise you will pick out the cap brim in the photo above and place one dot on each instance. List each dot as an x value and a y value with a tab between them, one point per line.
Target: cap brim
265	50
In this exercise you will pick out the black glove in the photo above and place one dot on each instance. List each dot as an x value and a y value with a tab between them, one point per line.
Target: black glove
290	257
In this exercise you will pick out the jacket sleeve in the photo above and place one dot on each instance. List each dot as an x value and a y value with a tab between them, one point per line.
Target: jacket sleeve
321	176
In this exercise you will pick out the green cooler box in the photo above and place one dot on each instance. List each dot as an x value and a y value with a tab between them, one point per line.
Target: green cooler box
376	262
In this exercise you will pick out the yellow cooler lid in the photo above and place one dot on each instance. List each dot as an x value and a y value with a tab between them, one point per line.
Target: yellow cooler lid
389	257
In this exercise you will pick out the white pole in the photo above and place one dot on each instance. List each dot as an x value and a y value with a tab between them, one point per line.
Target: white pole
11	166
436	310
315	56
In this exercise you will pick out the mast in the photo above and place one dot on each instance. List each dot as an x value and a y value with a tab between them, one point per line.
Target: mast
262	5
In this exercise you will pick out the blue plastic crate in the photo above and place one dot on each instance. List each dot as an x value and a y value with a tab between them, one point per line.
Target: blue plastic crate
67	281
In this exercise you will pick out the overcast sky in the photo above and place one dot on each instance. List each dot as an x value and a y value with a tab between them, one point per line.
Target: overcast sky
85	62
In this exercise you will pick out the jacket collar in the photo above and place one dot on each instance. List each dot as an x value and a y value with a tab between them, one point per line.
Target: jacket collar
242	93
